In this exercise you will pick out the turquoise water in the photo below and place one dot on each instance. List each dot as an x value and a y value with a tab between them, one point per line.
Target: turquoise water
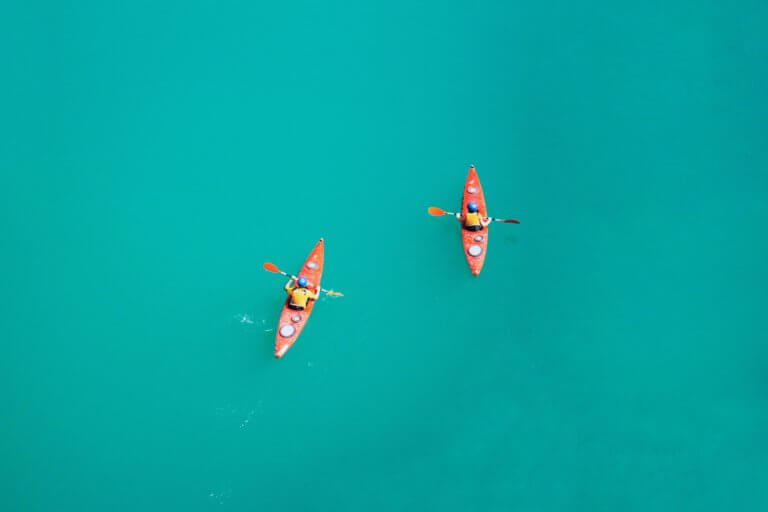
611	355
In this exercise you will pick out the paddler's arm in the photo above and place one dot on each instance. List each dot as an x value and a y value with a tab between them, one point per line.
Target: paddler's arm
458	216
485	221
315	295
288	285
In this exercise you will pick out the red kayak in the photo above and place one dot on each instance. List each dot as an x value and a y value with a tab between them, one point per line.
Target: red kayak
475	242
291	321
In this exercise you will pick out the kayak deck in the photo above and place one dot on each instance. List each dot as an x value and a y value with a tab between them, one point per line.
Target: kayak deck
475	243
292	322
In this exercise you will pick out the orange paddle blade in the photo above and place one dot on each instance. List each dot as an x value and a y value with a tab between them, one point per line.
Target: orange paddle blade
269	267
435	211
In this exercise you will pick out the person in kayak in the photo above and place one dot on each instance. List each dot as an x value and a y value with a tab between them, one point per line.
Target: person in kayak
300	294
473	220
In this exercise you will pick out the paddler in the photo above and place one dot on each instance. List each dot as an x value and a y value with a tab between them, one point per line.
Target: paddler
473	220
300	294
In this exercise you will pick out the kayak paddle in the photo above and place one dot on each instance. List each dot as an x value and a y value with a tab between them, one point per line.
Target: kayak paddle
271	267
508	221
439	212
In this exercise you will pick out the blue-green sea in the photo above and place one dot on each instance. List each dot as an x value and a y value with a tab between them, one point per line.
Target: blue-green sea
611	356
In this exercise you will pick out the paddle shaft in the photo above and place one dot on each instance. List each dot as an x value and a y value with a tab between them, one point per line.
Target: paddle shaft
492	219
296	279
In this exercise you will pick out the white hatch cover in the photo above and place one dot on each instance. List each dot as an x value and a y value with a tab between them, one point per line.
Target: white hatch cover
478	238
472	190
287	330
475	250
296	318
312	265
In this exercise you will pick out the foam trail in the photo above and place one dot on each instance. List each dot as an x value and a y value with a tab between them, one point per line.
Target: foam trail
244	318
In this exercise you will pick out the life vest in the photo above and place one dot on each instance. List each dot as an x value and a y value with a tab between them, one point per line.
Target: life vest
299	297
472	219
